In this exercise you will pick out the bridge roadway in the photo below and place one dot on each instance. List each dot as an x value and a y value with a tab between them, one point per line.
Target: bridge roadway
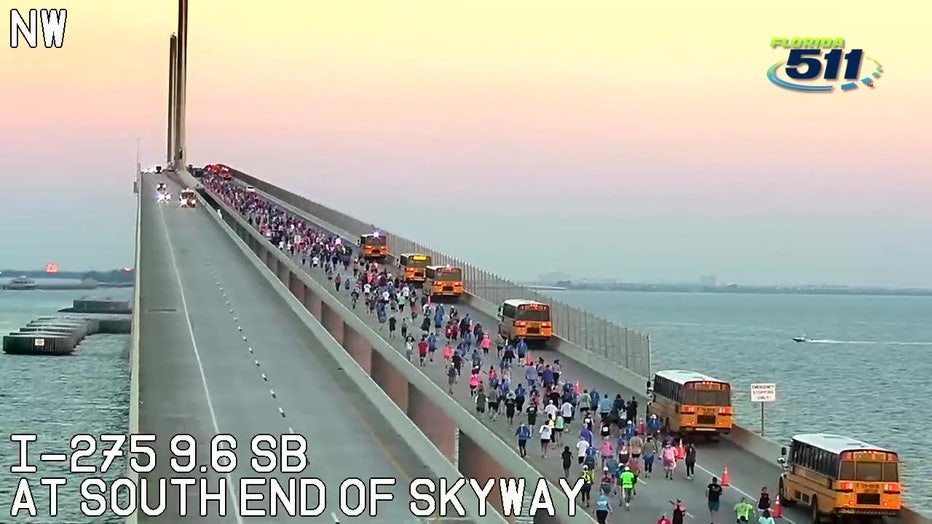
748	473
215	342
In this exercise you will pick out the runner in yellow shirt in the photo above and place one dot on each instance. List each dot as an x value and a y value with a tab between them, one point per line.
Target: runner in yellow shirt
627	486
743	511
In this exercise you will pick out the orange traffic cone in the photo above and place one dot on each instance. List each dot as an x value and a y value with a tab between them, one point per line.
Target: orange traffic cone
577	388
642	428
528	361
777	510
681	451
726	479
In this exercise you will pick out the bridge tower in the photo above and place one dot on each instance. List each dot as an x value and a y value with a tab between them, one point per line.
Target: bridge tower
177	88
170	140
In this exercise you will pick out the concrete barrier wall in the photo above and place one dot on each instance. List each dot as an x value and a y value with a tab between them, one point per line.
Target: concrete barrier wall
449	434
746	439
134	336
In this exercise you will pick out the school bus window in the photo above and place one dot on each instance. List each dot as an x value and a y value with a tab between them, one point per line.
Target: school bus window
869	471
418	261
450	275
509	311
701	397
533	313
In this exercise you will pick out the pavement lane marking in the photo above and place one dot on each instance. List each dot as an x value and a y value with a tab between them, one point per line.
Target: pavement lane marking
197	356
263	375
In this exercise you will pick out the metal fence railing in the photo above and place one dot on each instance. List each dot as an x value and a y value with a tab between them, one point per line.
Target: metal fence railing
623	346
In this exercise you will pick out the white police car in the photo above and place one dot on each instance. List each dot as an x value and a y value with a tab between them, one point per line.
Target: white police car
164	197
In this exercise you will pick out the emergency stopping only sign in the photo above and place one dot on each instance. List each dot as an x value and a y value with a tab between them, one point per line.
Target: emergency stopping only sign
763	392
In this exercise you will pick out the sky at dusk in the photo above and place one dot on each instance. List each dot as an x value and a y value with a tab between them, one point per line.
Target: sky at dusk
603	139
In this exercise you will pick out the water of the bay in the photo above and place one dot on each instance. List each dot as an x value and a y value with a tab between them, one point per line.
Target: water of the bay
56	398
865	373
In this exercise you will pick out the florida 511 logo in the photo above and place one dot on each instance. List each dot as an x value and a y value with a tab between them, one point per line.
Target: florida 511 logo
819	65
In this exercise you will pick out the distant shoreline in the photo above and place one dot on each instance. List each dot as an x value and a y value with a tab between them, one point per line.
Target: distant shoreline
736	289
67	287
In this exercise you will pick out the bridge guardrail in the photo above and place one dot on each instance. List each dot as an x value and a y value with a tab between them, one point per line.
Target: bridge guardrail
134	336
618	344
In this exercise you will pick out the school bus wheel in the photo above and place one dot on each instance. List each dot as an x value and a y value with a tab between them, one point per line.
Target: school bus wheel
816	515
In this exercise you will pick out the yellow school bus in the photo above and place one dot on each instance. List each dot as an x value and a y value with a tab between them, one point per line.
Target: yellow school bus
690	402
525	319
444	281
373	246
837	476
414	265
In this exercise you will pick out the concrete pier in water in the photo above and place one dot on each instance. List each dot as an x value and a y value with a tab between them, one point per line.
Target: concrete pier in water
62	335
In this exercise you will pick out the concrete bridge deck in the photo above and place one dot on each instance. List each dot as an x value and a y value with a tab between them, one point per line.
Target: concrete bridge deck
220	353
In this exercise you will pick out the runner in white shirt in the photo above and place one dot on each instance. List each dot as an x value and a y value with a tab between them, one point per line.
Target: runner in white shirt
566	410
367	288
551	410
546	433
581	448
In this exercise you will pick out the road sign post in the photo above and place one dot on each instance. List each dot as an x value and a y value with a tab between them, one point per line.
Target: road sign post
763	393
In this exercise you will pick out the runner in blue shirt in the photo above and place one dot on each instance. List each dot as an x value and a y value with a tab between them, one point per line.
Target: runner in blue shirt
602	508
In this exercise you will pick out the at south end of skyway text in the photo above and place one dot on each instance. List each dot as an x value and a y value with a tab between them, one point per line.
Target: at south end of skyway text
294	497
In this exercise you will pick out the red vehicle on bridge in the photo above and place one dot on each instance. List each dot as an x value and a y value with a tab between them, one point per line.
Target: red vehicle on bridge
219	169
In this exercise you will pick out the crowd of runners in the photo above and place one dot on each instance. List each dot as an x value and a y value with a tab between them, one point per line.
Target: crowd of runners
597	436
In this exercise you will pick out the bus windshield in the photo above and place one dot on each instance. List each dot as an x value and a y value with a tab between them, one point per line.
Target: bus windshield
869	471
449	275
533	313
700	397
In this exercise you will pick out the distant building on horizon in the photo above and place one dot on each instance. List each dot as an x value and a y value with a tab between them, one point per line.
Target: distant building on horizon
709	280
553	277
